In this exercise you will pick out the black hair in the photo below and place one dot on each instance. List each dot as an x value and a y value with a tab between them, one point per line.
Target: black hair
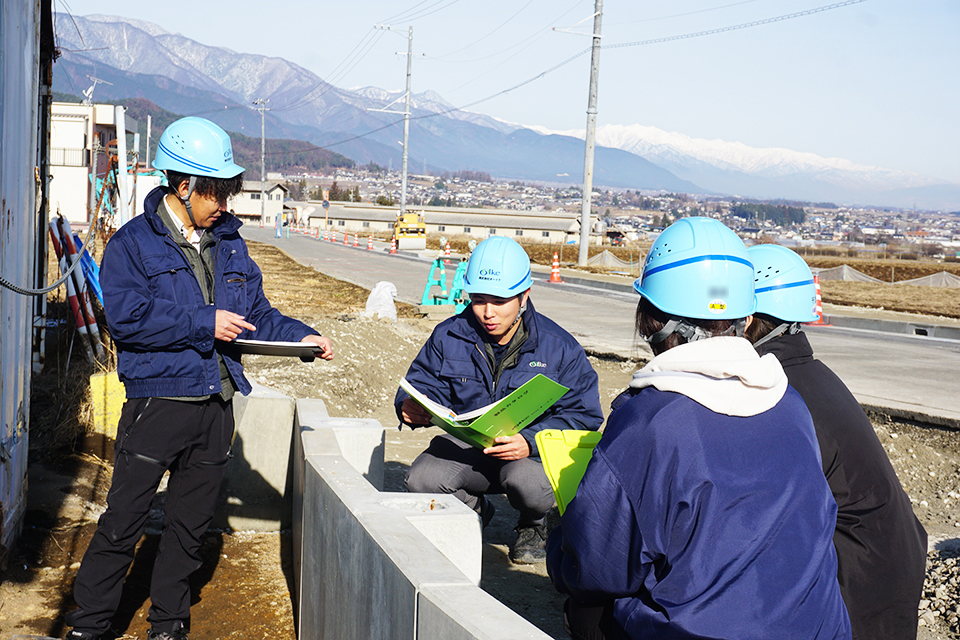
220	188
650	320
762	325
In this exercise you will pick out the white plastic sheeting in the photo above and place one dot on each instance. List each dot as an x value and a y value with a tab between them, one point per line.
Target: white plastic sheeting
19	90
943	279
844	272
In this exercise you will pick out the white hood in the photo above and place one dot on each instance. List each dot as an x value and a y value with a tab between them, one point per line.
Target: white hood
724	374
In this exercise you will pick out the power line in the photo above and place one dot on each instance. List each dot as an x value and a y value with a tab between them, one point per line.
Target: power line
481	39
614	46
686	13
745	25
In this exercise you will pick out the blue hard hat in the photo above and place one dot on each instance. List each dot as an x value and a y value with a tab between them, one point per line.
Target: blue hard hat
498	267
698	268
196	147
784	284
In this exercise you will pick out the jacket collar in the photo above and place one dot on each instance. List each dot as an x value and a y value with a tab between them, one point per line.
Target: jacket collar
227	224
789	349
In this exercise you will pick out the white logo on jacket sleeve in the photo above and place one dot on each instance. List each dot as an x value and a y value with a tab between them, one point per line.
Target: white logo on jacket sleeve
538	364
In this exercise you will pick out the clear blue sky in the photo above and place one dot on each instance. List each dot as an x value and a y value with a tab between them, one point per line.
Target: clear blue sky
874	82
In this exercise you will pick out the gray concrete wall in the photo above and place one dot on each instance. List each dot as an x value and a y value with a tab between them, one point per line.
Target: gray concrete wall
371	565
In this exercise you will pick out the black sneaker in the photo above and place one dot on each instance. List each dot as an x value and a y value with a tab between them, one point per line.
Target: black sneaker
485	510
76	634
531	545
178	632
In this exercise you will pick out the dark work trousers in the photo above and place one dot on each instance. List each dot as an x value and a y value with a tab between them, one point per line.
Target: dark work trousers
192	440
591	621
451	466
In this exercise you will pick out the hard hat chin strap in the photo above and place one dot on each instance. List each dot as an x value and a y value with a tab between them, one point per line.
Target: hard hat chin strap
788	328
523	307
186	202
691	332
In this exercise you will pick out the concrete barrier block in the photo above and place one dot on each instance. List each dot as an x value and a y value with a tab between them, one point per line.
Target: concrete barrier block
256	490
448	524
468	613
360	441
364	557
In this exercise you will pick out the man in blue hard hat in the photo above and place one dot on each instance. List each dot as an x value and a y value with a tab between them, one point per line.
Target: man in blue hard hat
478	357
703	512
178	288
881	546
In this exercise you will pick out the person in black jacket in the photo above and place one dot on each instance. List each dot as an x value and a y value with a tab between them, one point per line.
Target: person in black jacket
881	546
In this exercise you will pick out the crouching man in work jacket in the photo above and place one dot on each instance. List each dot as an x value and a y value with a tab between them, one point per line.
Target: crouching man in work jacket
178	287
480	356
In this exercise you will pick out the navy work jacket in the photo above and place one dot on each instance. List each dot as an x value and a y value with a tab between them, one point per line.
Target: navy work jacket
156	313
452	368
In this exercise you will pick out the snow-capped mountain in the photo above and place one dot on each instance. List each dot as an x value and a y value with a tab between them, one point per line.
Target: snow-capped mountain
733	167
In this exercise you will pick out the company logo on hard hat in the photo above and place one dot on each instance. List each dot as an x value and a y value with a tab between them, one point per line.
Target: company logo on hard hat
717	306
228	154
489	274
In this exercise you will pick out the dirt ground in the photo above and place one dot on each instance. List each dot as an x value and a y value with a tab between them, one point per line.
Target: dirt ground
243	589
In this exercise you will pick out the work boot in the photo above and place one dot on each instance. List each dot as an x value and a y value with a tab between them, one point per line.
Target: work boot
178	632
485	510
76	634
531	545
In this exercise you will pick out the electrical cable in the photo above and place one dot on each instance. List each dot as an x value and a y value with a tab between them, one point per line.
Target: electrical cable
481	39
614	46
745	25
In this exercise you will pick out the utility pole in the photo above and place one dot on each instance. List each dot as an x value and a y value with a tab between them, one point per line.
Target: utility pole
590	137
406	116
146	161
262	108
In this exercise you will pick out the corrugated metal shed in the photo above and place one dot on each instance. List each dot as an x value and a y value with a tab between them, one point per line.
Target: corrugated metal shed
19	95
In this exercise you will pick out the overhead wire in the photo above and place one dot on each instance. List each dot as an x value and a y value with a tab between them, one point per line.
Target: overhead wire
490	33
697	34
681	15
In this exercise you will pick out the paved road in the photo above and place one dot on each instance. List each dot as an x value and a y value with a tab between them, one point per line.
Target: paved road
907	374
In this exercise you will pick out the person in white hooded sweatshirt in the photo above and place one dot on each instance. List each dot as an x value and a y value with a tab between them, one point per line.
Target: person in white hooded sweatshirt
704	512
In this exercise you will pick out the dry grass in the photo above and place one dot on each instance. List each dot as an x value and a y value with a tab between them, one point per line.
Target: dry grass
908	298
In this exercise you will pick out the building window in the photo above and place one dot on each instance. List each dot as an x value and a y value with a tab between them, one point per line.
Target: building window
341	223
545	234
389	225
441	228
254	196
366	224
492	232
466	229
518	232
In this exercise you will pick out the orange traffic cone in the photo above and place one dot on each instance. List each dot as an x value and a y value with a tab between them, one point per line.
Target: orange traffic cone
393	245
819	308
356	242
555	269
370	243
318	233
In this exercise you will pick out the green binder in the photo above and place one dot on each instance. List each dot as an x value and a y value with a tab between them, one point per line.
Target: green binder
565	454
506	417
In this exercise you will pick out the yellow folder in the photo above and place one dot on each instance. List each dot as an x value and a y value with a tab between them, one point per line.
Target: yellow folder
565	454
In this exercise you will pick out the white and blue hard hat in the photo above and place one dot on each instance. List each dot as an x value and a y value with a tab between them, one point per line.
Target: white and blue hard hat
784	284
498	267
699	269
196	147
